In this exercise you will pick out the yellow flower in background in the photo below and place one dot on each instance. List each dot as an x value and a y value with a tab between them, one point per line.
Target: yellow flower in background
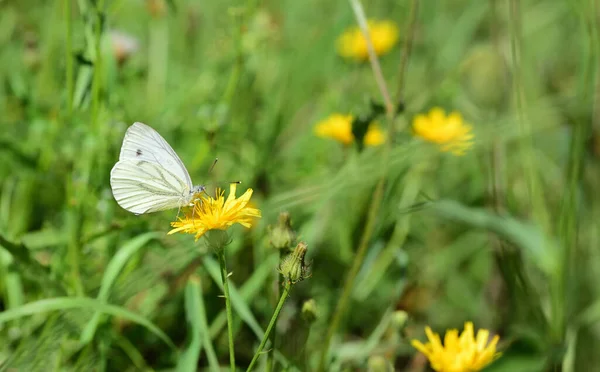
210	213
374	136
353	45
339	128
464	353
449	131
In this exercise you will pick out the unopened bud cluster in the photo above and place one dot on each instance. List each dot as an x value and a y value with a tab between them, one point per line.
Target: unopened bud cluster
293	267
282	235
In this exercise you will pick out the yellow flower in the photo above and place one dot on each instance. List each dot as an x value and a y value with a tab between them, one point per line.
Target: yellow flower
339	128
464	353
353	45
336	126
374	136
450	132
210	213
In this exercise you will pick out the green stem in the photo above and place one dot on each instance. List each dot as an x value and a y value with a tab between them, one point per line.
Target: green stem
68	56
97	78
224	276
284	295
271	354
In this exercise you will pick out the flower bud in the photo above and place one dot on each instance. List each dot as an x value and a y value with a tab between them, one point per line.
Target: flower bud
217	239
293	267
282	235
486	76
378	363
399	319
309	311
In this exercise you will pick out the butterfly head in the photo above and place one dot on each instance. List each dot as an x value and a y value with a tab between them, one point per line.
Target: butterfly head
197	189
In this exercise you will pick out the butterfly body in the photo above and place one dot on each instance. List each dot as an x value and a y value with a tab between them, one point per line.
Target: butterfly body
149	176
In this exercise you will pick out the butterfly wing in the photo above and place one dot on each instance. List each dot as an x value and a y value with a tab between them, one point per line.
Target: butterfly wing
141	186
144	143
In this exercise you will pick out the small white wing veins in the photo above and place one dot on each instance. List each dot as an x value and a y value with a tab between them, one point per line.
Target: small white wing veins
146	187
141	142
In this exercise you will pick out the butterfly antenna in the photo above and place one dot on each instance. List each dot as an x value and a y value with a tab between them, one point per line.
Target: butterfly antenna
213	165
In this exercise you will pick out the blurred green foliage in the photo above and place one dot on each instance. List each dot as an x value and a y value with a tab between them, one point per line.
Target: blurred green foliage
506	236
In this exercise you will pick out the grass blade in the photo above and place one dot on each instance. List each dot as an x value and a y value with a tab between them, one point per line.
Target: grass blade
67	303
113	269
196	317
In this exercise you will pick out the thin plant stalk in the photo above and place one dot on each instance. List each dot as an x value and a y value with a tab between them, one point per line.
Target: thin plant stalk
97	66
379	188
569	220
407	47
535	195
224	277
68	56
284	295
271	354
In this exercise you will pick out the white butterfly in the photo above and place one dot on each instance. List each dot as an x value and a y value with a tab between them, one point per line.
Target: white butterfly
149	176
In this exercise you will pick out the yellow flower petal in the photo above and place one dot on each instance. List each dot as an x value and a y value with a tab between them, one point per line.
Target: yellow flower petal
216	213
337	127
374	136
463	353
353	45
419	346
450	132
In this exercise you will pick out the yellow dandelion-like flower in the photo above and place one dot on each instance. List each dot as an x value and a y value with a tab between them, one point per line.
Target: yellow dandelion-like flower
353	45
339	128
210	213
449	131
374	136
464	353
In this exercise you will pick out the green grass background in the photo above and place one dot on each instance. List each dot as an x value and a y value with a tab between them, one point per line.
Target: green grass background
506	236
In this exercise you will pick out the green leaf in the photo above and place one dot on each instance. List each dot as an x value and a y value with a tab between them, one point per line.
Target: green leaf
541	250
196	317
113	269
67	303
29	265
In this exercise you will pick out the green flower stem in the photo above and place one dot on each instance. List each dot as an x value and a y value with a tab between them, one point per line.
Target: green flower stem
284	295
271	355
224	275
68	56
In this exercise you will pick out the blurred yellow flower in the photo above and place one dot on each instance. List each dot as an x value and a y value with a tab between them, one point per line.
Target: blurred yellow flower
464	353
450	132
353	45
374	136
339	128
210	213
